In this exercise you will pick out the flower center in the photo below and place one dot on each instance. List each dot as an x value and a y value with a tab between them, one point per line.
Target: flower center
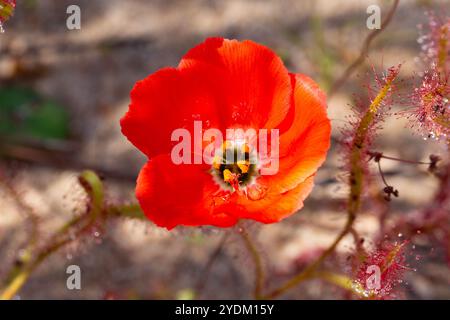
234	165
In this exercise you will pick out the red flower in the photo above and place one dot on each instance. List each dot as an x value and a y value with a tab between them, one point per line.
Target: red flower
226	84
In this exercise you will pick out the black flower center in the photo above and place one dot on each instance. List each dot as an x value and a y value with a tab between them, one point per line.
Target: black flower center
234	165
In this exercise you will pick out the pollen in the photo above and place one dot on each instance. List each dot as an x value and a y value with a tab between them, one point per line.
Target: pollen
227	175
245	148
216	162
243	165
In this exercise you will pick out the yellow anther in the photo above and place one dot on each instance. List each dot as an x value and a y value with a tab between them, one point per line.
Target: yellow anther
227	144
243	165
227	175
216	162
245	148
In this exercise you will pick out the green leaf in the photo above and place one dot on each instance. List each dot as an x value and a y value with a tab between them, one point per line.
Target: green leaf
25	114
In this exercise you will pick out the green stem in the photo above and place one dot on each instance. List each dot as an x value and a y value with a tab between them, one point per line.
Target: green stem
311	269
20	274
133	211
341	281
94	187
442	55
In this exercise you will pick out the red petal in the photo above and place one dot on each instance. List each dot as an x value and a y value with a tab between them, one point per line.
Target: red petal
172	195
276	206
309	108
165	101
223	83
252	79
304	146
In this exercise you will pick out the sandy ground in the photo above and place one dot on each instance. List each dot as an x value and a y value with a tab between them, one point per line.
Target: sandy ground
91	71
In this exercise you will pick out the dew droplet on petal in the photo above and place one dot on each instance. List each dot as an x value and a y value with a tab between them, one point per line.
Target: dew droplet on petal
256	192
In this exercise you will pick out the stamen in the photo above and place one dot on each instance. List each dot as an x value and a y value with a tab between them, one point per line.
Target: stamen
234	165
243	165
227	175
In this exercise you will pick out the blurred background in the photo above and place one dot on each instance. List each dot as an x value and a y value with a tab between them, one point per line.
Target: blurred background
62	93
